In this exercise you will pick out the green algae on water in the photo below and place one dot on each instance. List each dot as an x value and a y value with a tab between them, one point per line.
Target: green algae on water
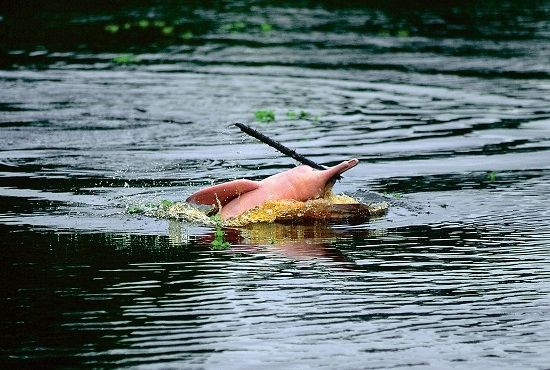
112	28
303	115
219	242
238	26
264	116
291	115
168	30
144	23
402	33
188	35
166	203
266	27
125	59
134	210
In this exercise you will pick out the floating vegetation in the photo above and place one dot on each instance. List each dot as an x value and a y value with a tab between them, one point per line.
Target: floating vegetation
165	203
238	26
266	27
331	208
144	23
402	33
269	116
396	33
175	30
134	210
167	30
125	59
188	35
264	116
273	210
164	28
112	28
492	176
219	242
303	115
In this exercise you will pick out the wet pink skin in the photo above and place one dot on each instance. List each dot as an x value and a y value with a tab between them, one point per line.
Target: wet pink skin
300	183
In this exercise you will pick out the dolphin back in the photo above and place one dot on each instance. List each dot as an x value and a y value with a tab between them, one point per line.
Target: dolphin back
222	193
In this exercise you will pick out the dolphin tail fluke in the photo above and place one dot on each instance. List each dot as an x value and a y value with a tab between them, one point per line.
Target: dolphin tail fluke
223	193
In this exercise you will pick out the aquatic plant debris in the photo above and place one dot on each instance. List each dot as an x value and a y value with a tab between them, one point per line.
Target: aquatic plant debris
125	59
264	116
269	212
134	210
266	27
302	115
219	242
167	29
237	26
188	35
166	203
402	33
291	114
112	28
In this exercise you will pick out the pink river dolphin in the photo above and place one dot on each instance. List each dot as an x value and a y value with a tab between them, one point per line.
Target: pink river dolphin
300	183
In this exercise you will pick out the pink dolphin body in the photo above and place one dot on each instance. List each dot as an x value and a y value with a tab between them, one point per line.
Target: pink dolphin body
300	183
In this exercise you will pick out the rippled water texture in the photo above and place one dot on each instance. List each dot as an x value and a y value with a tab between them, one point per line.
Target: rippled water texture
106	107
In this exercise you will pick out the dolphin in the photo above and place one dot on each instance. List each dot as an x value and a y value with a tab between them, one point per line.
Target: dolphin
300	183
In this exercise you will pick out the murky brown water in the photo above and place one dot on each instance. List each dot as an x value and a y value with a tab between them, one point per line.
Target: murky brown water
447	108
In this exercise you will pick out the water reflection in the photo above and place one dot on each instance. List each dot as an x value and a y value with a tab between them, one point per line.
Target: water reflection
294	241
133	300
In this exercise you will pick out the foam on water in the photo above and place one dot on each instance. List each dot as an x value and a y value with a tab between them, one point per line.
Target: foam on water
274	211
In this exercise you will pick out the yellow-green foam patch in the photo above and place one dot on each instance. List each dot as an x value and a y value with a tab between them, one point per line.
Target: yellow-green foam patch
270	211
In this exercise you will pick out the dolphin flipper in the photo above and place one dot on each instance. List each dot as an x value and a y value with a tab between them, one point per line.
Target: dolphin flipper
223	193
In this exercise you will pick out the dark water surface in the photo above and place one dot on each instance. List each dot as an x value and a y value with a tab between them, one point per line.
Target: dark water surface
108	105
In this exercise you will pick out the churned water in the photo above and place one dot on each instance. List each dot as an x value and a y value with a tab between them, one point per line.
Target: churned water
107	108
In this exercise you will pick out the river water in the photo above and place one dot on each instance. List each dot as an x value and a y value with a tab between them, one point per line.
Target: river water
105	107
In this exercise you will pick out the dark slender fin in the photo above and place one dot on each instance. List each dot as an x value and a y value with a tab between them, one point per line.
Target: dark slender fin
280	147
